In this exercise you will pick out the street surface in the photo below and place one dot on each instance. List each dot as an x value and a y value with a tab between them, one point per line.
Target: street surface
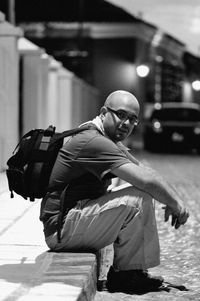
180	249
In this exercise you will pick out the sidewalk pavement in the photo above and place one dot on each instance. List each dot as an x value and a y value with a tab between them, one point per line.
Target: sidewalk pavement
28	271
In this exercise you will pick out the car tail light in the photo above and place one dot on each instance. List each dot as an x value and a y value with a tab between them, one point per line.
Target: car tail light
197	130
157	127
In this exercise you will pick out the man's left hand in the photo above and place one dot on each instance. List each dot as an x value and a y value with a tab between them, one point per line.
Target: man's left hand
178	219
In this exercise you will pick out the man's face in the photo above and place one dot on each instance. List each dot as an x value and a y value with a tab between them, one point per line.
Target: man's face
120	117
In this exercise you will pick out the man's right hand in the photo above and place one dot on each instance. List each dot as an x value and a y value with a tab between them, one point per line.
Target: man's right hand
178	218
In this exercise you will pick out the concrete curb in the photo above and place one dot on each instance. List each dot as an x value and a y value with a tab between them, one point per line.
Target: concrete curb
63	276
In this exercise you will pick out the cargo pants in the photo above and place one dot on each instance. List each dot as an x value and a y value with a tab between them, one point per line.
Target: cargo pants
124	217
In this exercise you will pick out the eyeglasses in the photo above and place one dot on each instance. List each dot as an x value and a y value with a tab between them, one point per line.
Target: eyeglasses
123	116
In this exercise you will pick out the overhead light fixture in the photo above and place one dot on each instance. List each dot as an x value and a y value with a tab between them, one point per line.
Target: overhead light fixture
142	70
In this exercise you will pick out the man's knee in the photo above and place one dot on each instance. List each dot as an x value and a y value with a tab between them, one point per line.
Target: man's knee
140	201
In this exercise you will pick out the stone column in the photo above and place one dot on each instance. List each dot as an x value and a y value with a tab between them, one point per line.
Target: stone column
9	90
34	74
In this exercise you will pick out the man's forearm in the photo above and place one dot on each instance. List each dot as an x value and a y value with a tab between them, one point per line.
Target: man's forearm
148	180
163	192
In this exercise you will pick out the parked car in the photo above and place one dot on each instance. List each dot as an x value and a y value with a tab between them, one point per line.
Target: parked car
173	126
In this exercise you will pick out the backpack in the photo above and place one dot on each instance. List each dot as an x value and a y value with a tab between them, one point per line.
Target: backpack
30	166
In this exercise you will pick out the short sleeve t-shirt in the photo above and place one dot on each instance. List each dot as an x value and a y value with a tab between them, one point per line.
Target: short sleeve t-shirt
85	164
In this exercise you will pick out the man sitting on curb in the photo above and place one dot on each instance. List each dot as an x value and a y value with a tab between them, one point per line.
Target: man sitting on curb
90	217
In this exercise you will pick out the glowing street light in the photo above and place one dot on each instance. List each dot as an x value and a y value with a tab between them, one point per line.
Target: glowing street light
142	70
196	85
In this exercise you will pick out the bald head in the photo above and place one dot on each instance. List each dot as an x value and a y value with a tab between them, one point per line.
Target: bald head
119	114
122	98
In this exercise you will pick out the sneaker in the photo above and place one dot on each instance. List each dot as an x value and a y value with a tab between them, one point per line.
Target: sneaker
133	281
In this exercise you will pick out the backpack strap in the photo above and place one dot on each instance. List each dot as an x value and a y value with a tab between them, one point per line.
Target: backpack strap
64	191
60	216
74	131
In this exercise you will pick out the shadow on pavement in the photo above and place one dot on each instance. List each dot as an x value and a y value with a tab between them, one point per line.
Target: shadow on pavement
23	272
